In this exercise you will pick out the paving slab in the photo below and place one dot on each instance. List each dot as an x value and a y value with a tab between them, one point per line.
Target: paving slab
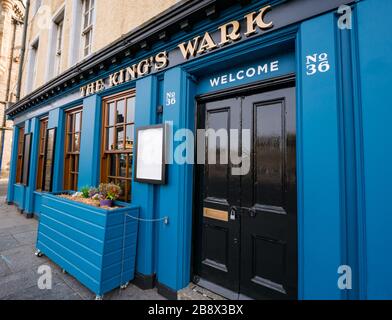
4	270
17	282
7	242
18	228
28	237
21	258
59	291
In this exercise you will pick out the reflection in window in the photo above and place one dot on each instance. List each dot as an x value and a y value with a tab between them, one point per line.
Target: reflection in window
20	155
41	154
72	147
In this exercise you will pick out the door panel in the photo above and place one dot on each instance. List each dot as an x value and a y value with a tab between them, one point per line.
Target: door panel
220	234
268	222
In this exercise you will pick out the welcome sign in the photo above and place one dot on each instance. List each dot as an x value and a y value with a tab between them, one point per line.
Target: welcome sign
268	67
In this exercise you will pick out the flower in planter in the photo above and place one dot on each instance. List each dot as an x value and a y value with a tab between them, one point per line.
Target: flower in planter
93	192
95	197
76	195
109	191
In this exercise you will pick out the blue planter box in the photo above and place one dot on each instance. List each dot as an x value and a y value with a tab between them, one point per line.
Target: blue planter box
96	246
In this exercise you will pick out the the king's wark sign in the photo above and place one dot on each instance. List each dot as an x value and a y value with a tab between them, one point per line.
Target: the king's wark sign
229	33
259	22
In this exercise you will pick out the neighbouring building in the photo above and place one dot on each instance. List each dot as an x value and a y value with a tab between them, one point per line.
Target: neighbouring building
11	27
305	213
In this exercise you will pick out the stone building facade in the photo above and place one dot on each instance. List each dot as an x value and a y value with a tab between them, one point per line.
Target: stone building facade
11	28
62	33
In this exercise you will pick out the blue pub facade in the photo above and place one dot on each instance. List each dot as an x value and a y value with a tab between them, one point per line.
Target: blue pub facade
309	81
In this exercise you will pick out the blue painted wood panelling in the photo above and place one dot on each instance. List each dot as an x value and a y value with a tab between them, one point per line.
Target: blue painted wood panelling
320	183
29	205
174	251
37	202
90	143
142	193
56	120
96	246
19	195
375	67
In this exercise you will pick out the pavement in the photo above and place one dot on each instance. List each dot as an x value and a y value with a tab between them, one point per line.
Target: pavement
19	266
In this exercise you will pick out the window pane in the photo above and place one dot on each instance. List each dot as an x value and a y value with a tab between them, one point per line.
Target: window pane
76	164
91	16
109	139
130	160
123	165
131	110
71	164
85	25
111	113
122	183
112	169
86	5
70	123
76	142
71	180
129	137
120	137
69	148
120	111
77	122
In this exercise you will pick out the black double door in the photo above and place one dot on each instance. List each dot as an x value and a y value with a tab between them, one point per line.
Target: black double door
246	226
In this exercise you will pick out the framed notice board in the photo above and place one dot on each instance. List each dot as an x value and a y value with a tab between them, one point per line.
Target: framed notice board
150	166
28	137
47	177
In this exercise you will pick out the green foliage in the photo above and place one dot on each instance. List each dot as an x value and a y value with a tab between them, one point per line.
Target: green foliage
85	191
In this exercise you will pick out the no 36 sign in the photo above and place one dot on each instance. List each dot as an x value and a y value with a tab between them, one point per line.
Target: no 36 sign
171	98
316	63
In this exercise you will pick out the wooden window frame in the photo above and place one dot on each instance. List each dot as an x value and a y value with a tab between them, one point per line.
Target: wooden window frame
107	154
71	175
50	187
43	127
19	161
27	144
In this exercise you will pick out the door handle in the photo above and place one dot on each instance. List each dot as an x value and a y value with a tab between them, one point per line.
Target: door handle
252	212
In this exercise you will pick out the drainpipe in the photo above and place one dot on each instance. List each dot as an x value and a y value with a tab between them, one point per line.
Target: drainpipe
22	51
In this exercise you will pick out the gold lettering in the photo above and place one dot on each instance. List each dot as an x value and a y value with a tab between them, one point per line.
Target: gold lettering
131	73
143	67
252	22
83	91
190	49
113	79
90	89
161	60
99	85
121	76
233	35
206	44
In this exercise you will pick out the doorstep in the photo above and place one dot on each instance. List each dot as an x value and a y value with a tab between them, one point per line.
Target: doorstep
195	292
